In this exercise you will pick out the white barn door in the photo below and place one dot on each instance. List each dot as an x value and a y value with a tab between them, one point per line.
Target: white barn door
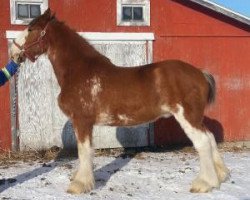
41	122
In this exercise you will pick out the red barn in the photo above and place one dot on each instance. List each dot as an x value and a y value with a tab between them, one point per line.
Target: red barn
130	32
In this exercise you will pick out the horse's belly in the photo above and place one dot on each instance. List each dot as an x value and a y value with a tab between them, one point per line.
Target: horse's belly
129	119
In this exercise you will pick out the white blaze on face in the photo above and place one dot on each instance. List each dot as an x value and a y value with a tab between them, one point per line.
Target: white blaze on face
21	39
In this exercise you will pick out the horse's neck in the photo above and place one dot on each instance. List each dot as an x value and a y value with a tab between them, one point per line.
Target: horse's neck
59	70
65	50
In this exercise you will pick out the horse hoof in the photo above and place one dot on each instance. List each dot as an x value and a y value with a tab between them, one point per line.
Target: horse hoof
223	174
77	187
201	186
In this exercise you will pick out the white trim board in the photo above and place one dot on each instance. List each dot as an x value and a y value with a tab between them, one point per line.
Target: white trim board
102	36
223	10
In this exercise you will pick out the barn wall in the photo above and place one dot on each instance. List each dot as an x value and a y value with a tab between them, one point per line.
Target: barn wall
5	117
185	31
228	117
5	139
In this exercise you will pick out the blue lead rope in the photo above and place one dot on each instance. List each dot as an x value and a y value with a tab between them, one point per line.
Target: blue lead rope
8	71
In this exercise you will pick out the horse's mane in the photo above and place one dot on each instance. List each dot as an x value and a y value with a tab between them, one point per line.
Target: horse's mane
79	44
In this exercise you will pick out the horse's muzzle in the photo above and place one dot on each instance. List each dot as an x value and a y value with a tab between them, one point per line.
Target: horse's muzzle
19	58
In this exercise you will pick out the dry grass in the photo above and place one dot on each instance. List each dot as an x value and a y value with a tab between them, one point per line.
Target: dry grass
55	153
9	158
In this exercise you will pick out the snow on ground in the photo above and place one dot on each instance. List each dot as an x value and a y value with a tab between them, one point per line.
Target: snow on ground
162	175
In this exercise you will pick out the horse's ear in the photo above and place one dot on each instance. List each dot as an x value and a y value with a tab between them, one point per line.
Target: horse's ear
47	13
53	16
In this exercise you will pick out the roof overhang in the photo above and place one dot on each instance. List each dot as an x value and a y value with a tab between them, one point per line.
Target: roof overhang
220	9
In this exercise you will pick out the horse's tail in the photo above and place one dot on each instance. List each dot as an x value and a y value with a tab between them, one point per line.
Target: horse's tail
212	87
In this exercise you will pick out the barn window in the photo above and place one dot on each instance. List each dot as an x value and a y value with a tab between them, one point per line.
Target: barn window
28	11
23	11
133	12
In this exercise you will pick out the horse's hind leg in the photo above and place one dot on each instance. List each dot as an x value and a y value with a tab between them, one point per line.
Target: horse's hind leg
207	178
83	180
221	169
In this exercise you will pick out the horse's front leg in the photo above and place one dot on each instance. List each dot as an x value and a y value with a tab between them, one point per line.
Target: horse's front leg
83	180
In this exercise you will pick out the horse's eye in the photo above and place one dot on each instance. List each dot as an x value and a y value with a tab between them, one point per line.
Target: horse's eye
29	29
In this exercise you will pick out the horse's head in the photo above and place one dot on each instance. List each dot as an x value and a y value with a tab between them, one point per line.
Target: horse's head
31	43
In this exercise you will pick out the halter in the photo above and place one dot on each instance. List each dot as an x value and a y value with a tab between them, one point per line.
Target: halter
39	41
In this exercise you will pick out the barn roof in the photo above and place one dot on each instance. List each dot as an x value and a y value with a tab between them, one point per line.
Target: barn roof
225	11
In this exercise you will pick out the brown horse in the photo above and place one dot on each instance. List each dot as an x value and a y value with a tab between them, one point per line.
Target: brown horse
95	91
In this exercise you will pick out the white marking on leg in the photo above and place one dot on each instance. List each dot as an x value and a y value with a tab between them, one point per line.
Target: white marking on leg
84	178
221	169
85	154
207	178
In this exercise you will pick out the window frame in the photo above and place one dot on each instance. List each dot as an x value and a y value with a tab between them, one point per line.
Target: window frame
145	4
25	21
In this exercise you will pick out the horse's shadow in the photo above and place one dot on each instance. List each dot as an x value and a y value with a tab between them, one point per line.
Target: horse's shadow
19	179
103	174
